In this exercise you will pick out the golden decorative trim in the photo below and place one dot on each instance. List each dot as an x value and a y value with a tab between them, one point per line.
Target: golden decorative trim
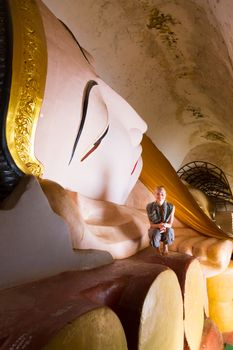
29	69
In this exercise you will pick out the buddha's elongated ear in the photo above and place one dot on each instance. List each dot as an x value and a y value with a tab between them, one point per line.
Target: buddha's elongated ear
23	67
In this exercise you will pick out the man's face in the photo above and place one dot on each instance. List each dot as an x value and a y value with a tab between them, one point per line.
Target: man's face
160	196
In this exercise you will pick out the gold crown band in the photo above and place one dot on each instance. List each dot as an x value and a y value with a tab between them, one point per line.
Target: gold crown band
29	69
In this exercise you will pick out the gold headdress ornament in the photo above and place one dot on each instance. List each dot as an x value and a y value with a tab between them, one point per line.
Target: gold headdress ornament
29	68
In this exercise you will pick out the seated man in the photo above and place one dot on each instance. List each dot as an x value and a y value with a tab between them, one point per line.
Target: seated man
161	216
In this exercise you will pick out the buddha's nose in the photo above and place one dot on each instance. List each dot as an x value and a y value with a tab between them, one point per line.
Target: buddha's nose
136	123
135	136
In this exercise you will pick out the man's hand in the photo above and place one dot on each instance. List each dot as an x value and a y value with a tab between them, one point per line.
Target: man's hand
162	227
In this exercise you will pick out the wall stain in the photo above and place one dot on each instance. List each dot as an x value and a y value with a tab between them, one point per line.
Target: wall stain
215	136
162	23
196	112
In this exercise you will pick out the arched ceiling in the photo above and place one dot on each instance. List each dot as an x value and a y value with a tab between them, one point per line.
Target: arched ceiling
172	61
220	155
209	179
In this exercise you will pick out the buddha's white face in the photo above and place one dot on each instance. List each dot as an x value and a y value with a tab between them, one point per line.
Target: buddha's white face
88	138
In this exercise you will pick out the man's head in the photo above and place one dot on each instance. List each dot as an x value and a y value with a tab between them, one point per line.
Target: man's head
160	195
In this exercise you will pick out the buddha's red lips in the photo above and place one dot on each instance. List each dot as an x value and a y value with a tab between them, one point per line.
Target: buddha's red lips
137	158
135	165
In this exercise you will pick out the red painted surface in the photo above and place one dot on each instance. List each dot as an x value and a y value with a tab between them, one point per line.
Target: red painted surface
212	338
31	314
228	338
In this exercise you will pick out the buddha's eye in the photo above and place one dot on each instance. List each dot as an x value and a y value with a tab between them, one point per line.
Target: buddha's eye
95	145
86	123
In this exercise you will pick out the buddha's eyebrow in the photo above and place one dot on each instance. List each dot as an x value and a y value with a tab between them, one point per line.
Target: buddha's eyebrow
72	34
89	86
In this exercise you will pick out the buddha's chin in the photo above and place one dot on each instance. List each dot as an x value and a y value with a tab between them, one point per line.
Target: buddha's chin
116	190
120	193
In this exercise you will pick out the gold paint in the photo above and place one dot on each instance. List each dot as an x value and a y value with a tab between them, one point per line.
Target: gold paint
158	171
29	70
